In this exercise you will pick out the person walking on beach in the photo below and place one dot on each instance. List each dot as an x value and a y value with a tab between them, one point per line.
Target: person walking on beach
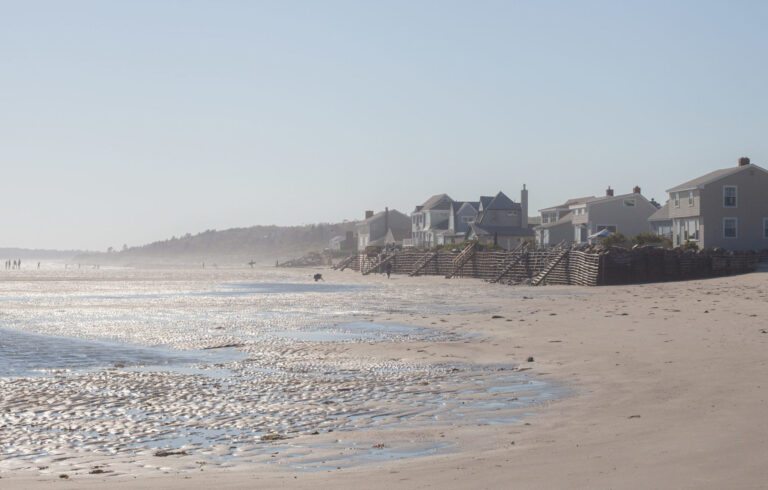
388	269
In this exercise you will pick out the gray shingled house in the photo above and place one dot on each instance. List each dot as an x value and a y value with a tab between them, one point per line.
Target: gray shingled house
727	208
386	227
501	221
430	221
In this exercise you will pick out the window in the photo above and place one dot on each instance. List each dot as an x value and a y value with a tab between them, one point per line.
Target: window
690	199
677	199
730	228
765	227
687	229
730	196
630	203
544	218
467	219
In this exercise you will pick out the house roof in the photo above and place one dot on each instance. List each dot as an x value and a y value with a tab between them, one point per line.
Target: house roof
568	218
380	215
438	202
662	214
500	202
712	177
457	205
569	202
485	201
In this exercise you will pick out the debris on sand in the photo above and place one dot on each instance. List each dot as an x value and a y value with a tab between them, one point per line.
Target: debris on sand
273	437
162	453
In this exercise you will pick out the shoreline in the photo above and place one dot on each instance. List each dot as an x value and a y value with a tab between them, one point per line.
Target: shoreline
654	401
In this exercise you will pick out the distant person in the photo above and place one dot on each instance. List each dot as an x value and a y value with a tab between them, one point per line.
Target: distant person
203	265
388	269
319	277
38	265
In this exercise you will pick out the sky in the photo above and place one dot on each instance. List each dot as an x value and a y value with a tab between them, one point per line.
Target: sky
131	122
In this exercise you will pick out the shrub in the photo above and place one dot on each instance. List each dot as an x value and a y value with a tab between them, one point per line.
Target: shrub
614	240
689	245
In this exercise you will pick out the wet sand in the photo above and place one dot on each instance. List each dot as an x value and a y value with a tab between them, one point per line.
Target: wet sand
666	388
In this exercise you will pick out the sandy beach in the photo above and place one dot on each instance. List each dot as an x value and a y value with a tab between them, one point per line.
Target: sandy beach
657	386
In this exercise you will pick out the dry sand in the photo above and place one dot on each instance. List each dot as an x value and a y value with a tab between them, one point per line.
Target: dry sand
668	388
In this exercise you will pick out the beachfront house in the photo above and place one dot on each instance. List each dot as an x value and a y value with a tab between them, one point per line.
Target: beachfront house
501	221
556	223
462	214
626	214
726	208
429	222
387	227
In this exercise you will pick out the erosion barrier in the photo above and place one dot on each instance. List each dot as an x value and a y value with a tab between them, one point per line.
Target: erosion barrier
584	267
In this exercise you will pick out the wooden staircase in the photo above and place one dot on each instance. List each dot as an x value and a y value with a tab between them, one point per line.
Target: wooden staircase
379	264
422	263
523	254
548	268
345	263
462	258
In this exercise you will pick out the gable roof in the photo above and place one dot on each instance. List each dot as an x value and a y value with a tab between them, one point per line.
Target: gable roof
437	202
485	201
393	213
662	214
457	205
712	177
500	202
567	218
570	202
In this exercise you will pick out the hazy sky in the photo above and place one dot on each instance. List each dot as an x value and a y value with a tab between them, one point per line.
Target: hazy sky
130	121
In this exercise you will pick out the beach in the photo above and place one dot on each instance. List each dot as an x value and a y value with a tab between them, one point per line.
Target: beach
645	386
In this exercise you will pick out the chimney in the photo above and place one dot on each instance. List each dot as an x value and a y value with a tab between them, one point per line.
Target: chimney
636	189
743	161
609	192
524	205
368	214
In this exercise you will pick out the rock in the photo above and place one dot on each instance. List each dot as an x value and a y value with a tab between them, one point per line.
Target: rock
530	359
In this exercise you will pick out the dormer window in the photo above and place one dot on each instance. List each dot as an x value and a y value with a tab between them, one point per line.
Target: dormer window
629	203
690	199
677	199
730	196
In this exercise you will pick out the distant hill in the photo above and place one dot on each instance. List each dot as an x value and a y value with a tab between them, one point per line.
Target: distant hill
262	244
28	253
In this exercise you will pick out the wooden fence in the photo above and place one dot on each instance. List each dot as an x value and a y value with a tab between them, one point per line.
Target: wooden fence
588	267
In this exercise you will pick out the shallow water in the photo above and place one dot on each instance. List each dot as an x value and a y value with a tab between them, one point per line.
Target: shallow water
118	366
